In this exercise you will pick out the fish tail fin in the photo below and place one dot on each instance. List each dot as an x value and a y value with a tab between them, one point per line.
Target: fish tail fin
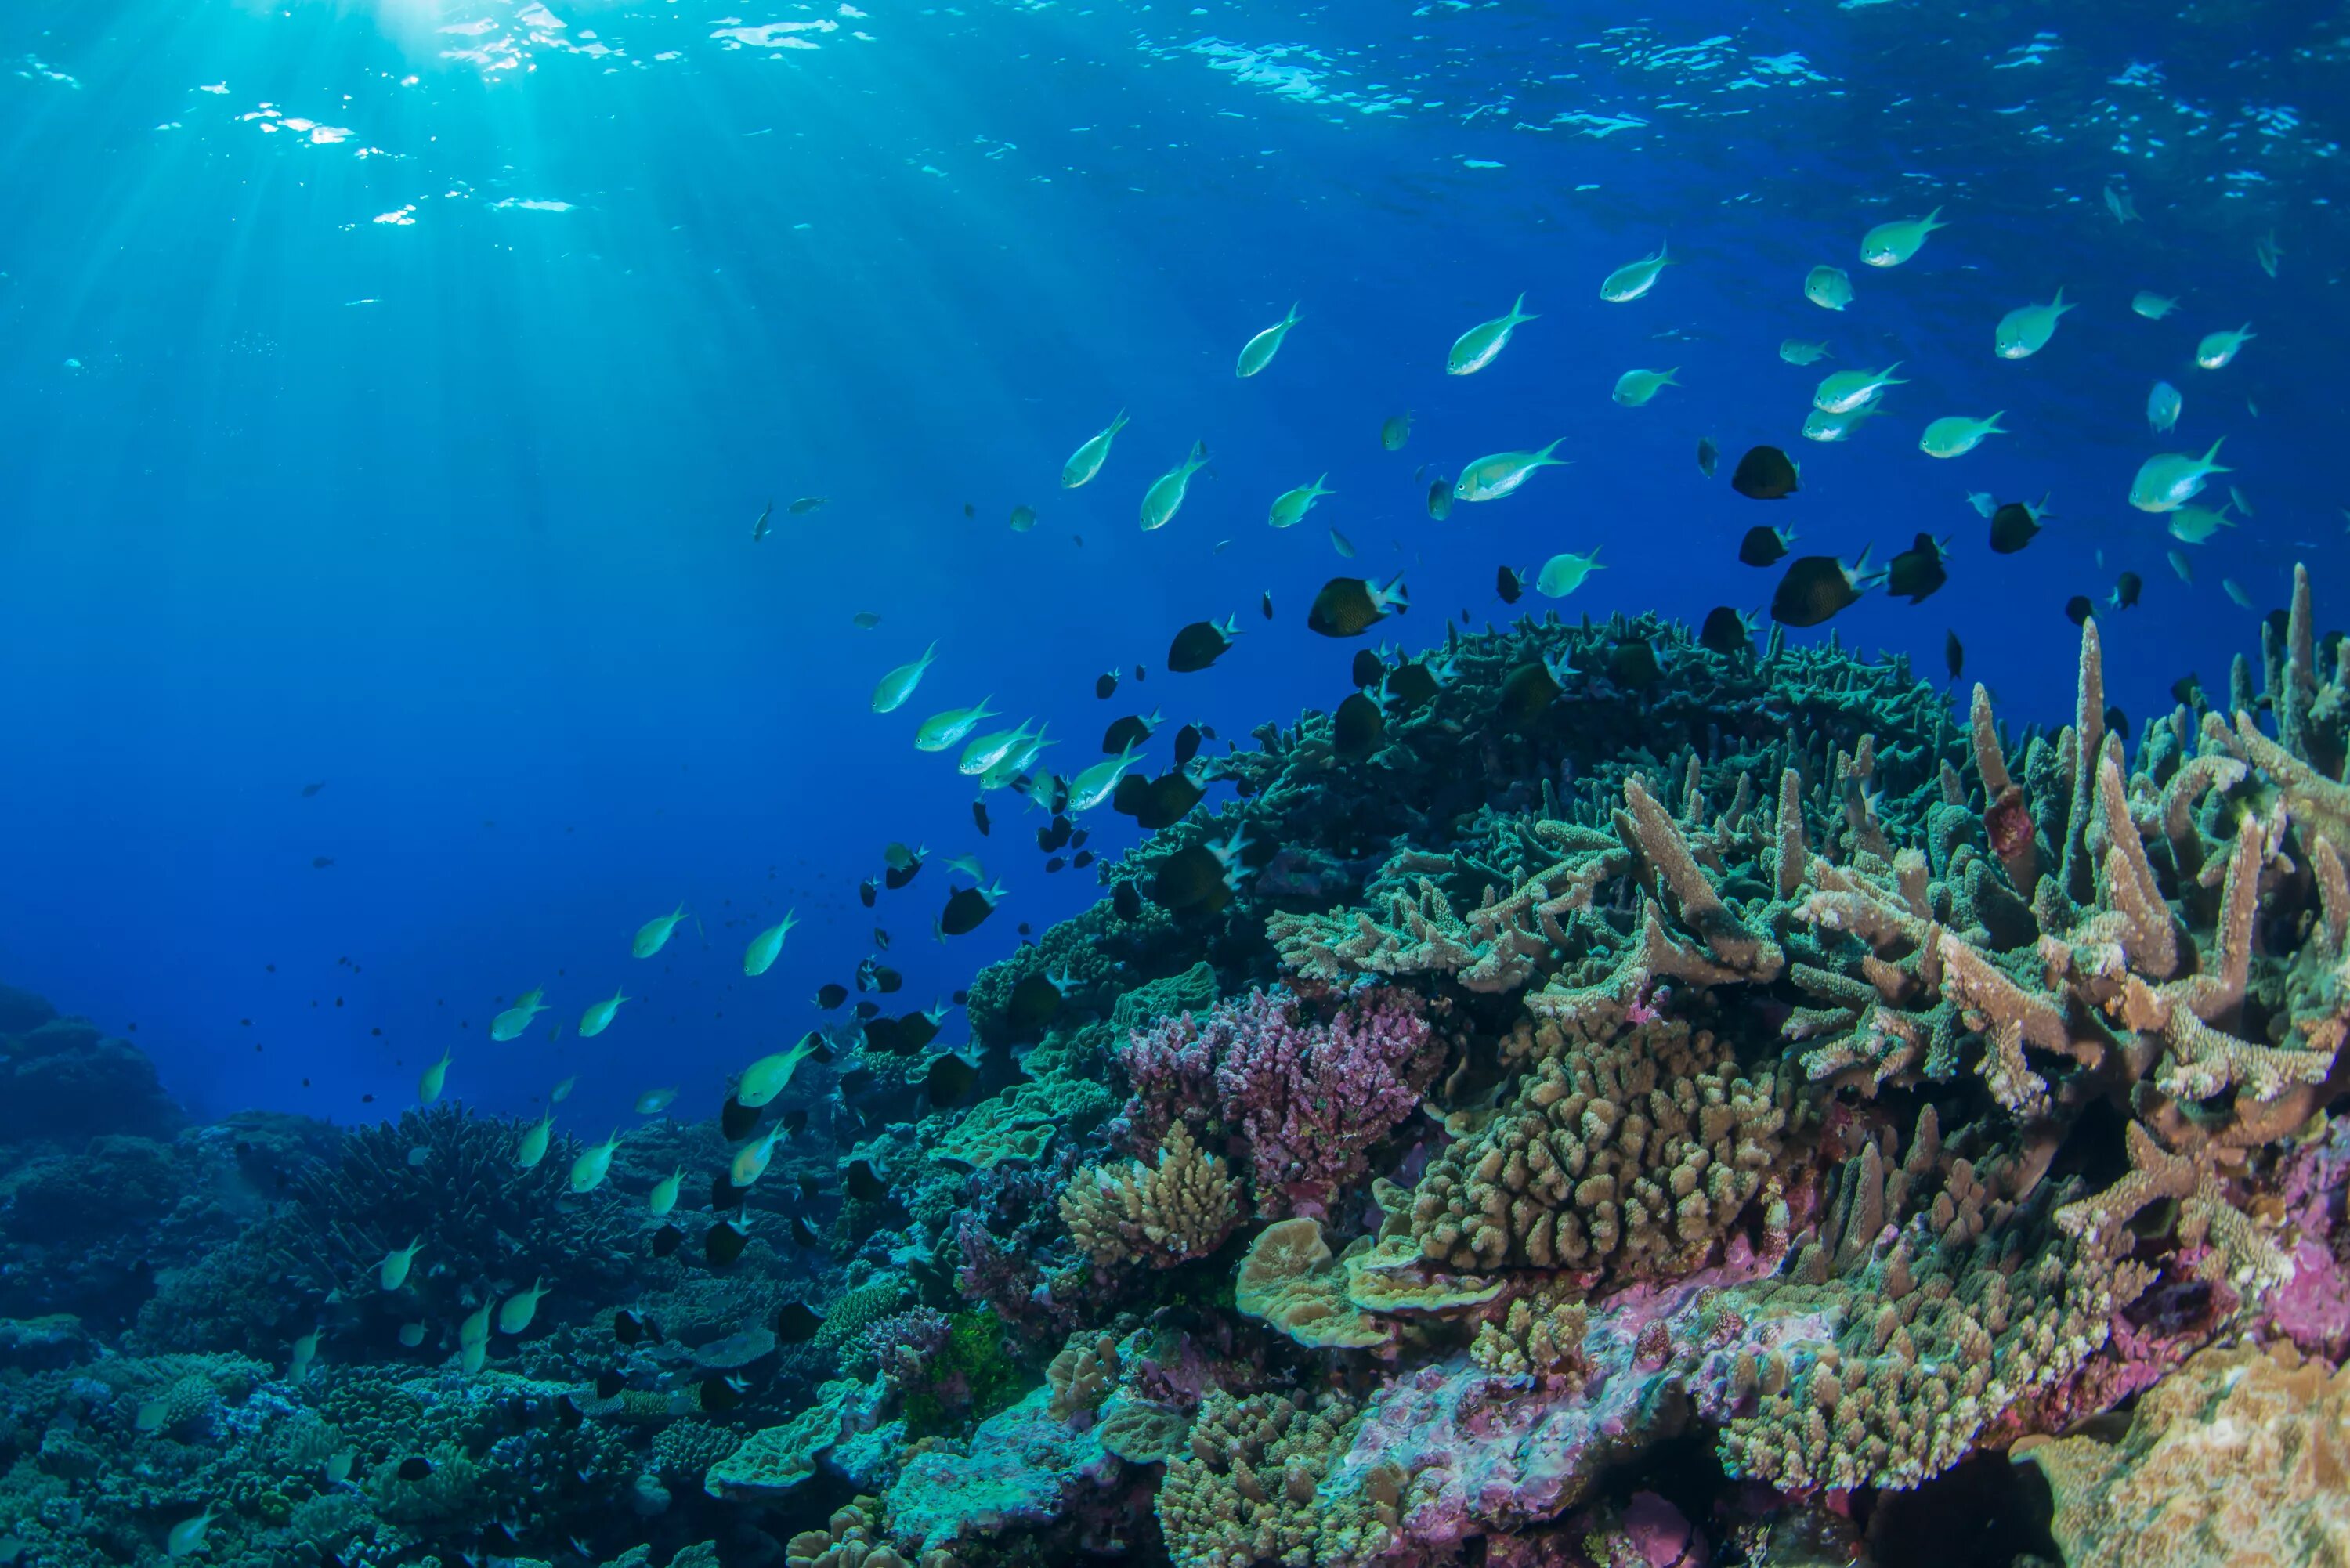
1545	455
1991	425
1519	309
2215	452
1932	216
1119	423
1294	317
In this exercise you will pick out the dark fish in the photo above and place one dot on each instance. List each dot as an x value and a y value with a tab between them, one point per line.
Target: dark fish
811	1188
2118	722
666	1240
1439	498
1368	668
865	1010
2187	691
796	1322
716	1394
1764	474
881	939
724	1243
1954	654
2012	526
967	908
415	1467
1349	607
1815	587
1199	645
1267	604
1917	573
863	1183
866	892
1187	743
321	862
2127	591
1035	1002
628	1326
310	789
803	1234
1726	631
796	1120
608	1386
724	1193
1510	583
1763	546
1156	803
831	995
735	1120
1056	864
1191	878
896	876
1132	729
1708	456
1082	858
1527	693
1054	835
915	1030
1106	684
949	1080
567	1415
979	817
2078	609
1633	663
1140	673
1356	727
498	1541
968	510
1126	900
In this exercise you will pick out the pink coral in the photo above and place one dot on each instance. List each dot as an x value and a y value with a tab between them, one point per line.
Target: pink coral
1300	1095
902	1344
2313	1308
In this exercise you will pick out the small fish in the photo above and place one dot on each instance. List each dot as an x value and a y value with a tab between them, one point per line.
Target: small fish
1764	547
2187	691
666	1240
2179	564
1087	460
967	907
1023	518
1829	287
1795	352
511	1022
2194	525
598	1016
760	956
1633	279
151	1415
1821	426
1955	435
865	620
652	1102
475	1328
2266	252
2169	480
2218	350
414	1469
1200	644
1818	586
1439	499
796	1322
1259	350
1475	348
1843	391
1890	245
2125	592
1100	782
2025	330
1509	583
752	1159
593	1164
770	1075
1266	604
1349	607
2078	609
1356	728
2237	496
2236	592
1983	501
562	1091
2014	525
310	789
807	504
1291	505
392	1273
429	1083
1340	542
1128	732
759	528
1954	654
1708	456
2121	206
1917	572
979	817
1490	478
321	862
2152	306
2162	407
531	1148
1395	430
1634	389
187	1537
1726	631
654	934
1764	474
899	683
1565	572
515	1314
1165	496
1106	685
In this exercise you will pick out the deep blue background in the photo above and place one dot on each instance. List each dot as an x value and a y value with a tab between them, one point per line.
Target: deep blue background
476	554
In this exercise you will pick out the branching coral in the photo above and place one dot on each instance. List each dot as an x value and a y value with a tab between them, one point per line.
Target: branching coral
1180	1206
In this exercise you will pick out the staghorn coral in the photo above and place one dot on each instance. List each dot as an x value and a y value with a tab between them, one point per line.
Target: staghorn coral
1180	1207
2240	1456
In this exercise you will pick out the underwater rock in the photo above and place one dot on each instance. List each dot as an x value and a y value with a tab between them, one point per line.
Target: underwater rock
1024	1468
62	1081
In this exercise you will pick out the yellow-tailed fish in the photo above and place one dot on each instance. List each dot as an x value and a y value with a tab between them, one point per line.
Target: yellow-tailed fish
2194	525
1795	352
751	1160
1259	350
1165	496
471	1358
593	1164
941	731
2025	330
2219	348
1821	426
1564	573
1633	279
521	1307
305	1350
761	954
1291	505
987	750
509	1025
598	1016
1890	245
476	1326
1842	391
1087	460
1096	784
531	1148
768	1076
2169	480
187	1537
1955	435
2162	407
2152	306
1490	478
1634	388
663	1197
393	1270
654	934
1475	348
1829	287
429	1082
653	1102
899	683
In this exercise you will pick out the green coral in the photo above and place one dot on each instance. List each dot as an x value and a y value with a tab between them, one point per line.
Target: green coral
971	1377
854	1312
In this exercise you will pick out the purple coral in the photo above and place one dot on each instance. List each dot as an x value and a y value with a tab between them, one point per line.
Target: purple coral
1302	1096
901	1344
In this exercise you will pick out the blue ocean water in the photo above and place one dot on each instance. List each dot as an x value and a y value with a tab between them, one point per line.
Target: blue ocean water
390	390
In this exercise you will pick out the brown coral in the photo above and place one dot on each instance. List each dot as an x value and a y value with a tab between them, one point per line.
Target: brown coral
1180	1206
1243	1490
